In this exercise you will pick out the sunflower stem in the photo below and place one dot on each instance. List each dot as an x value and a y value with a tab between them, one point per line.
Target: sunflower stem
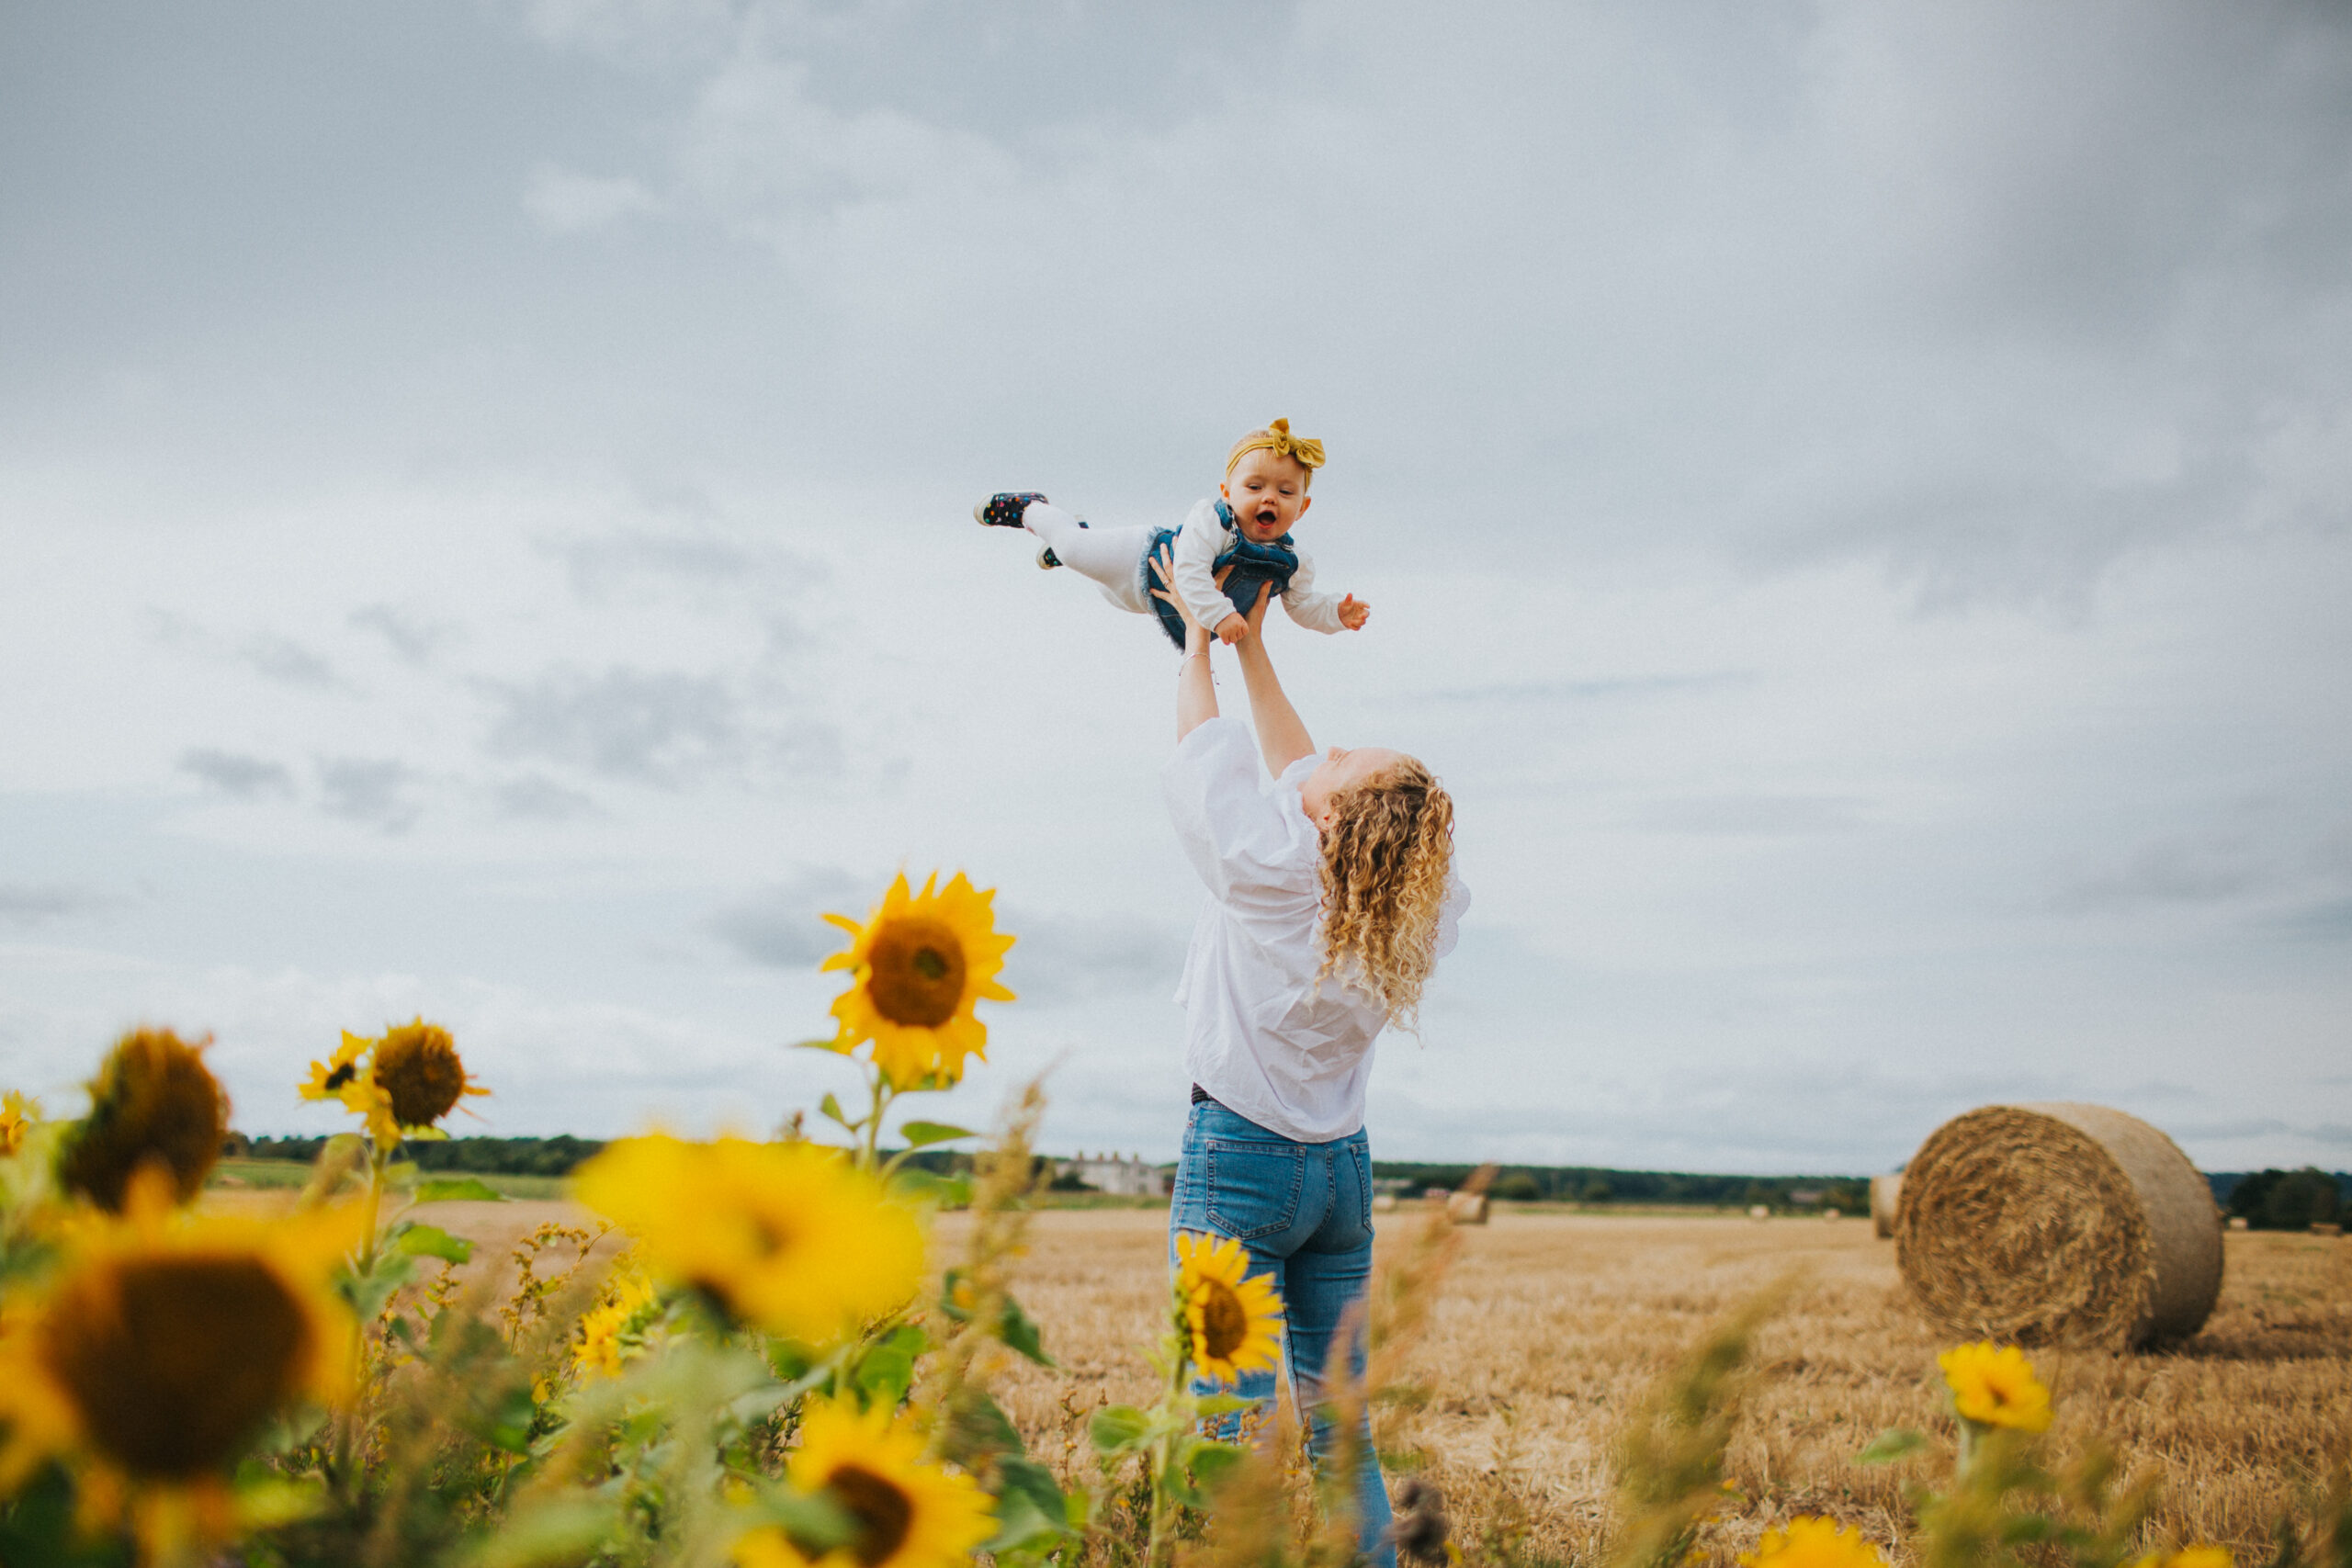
882	1094
1175	1401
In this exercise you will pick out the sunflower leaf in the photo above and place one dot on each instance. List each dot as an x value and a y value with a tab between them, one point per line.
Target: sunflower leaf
432	1241
1020	1332
1210	1405
829	1043
831	1108
1213	1462
884	1374
1116	1428
923	1135
913	1184
466	1189
1890	1445
1029	1506
567	1530
367	1293
979	1430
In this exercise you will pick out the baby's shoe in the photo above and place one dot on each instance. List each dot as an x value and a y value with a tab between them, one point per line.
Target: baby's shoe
1003	510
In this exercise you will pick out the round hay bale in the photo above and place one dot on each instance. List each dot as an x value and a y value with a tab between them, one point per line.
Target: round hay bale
1383	1202
2058	1223
1884	1191
1466	1208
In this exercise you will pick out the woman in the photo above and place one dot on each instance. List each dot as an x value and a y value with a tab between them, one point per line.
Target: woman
1331	898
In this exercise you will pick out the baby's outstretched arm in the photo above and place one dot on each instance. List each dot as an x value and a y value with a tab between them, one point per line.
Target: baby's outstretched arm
1354	612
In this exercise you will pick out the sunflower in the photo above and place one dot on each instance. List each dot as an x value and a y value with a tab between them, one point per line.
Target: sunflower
17	1114
602	1346
350	1078
1235	1323
162	1346
789	1237
153	1102
1808	1542
410	1076
1995	1387
417	1066
920	962
904	1512
2188	1557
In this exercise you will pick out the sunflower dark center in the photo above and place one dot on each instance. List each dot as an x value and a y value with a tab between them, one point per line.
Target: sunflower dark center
173	1363
1225	1322
883	1513
918	972
420	1069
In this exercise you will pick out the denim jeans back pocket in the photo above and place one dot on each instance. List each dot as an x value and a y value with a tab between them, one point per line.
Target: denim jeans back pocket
1253	1187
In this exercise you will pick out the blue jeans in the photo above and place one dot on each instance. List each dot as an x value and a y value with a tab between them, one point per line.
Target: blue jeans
1303	1212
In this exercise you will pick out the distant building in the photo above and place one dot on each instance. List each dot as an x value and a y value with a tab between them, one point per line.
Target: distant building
1124	1175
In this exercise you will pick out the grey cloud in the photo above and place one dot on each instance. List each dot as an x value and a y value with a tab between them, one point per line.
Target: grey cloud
782	927
538	798
373	790
281	658
2328	922
648	726
1064	958
564	202
1596	688
661	728
234	774
413	640
30	905
2333	1132
1758	816
2172	871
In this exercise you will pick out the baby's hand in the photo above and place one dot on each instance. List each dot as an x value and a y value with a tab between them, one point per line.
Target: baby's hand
1232	630
1354	612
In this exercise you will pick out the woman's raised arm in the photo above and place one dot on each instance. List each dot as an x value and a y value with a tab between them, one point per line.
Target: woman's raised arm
1195	692
1282	734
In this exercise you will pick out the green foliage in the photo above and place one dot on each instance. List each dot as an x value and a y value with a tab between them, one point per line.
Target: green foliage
2285	1200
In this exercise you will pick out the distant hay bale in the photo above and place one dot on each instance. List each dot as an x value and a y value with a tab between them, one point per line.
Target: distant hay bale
1466	1208
2058	1223
1759	1211
1383	1202
1885	1190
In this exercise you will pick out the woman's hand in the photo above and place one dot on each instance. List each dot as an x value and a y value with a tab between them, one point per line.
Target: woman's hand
1196	637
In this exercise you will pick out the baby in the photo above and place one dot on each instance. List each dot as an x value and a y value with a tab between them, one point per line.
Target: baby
1247	529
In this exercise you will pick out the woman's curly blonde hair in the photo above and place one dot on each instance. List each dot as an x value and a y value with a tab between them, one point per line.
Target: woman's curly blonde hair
1384	865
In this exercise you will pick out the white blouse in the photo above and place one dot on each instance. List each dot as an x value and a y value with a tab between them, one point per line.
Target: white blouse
1258	1035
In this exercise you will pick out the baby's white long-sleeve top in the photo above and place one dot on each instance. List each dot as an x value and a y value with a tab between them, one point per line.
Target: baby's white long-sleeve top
1197	544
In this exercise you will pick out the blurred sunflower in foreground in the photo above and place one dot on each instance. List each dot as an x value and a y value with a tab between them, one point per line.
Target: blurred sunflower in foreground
903	1511
1235	1323
1996	1386
1808	1542
921	963
154	1103
159	1350
792	1238
17	1115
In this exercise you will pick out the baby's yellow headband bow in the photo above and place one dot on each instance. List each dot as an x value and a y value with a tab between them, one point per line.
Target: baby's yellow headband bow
1277	439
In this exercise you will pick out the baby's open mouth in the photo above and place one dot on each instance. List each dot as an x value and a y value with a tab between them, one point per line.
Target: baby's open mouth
1267	517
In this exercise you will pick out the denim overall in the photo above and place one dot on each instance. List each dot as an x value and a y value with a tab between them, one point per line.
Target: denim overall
1254	564
1303	1213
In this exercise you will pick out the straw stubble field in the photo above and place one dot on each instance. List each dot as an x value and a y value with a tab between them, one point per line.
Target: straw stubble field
1554	1324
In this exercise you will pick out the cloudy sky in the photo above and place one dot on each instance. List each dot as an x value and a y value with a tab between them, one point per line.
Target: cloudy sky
1857	502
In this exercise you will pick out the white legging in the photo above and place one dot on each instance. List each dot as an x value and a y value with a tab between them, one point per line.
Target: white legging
1111	556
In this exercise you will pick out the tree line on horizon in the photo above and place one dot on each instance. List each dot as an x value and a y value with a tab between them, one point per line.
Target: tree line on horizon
2266	1199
